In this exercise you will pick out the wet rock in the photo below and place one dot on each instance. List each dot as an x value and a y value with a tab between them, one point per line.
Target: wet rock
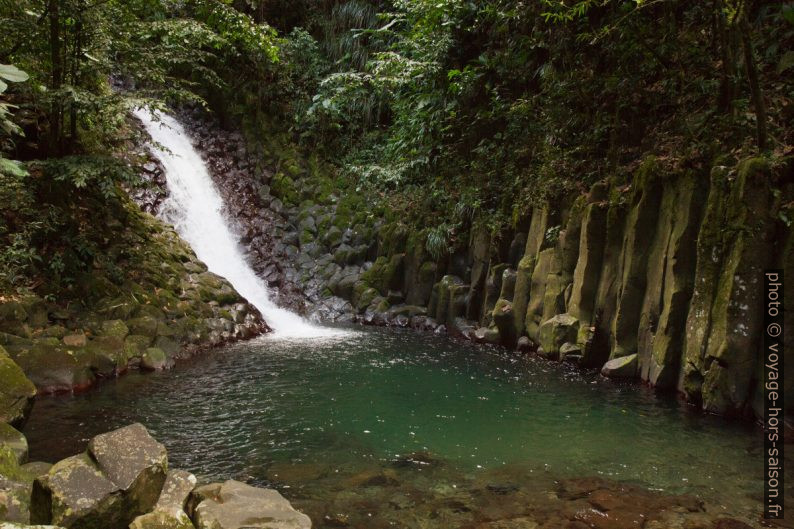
524	345
486	335
154	359
16	391
235	505
56	369
623	367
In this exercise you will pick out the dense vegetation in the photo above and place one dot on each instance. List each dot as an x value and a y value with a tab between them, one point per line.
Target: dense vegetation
468	110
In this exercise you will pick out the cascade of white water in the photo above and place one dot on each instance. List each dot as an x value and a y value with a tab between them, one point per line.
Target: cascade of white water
195	209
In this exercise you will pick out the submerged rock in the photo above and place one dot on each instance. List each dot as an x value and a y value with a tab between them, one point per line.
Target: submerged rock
235	505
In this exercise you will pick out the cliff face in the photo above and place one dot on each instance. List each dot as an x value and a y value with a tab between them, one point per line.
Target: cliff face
660	279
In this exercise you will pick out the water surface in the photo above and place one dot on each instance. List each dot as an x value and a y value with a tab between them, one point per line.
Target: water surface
370	398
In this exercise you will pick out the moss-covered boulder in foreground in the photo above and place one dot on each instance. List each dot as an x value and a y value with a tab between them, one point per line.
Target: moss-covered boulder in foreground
16	391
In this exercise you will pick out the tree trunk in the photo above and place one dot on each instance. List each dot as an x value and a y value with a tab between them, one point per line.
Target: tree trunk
56	117
756	94
726	45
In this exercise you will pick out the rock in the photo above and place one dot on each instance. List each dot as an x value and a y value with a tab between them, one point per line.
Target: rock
555	331
75	340
570	349
16	391
235	505
118	478
486	335
162	520
14	487
107	355
115	328
56	369
513	523
12	525
524	345
503	319
169	512
622	367
154	359
14	440
176	490
143	326
36	468
75	490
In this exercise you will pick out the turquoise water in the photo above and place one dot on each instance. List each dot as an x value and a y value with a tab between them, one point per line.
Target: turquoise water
370	399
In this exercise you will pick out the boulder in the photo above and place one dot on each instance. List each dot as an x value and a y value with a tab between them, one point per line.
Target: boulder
235	505
55	368
162	520
118	478
622	367
169	512
14	488
556	331
115	328
154	359
176	490
16	391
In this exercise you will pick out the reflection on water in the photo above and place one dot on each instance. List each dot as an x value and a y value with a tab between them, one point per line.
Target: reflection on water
292	412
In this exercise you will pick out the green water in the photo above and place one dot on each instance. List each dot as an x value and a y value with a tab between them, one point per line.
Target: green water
369	399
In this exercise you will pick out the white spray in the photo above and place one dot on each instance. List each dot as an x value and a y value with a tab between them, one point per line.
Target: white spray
195	209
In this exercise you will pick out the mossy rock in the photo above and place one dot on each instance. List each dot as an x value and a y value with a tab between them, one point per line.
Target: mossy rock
107	354
56	368
115	329
16	391
135	345
385	273
363	295
13	439
557	331
143	326
503	319
154	359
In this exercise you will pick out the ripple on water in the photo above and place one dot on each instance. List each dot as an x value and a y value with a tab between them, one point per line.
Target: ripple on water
359	400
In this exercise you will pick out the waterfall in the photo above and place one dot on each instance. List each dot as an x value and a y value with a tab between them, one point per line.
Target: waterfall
195	209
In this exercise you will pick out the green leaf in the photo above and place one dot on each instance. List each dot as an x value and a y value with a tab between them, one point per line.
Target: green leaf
12	73
786	62
788	13
3	86
12	167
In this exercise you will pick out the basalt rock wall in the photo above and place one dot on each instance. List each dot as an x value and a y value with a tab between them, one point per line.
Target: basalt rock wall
657	277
